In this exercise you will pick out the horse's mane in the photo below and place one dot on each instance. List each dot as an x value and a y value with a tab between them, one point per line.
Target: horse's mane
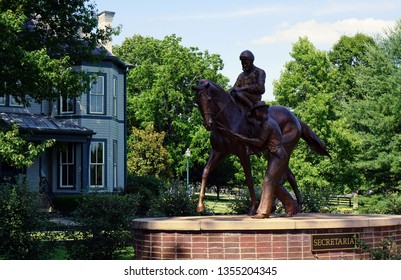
204	81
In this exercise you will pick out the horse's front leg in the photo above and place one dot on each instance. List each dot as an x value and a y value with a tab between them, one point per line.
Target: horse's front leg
246	165
215	158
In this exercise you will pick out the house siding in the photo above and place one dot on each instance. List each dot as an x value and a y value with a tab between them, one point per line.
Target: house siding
108	127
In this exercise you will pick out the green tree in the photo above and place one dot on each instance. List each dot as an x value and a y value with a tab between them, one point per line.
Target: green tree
305	87
159	89
41	41
375	116
347	56
17	152
146	154
305	75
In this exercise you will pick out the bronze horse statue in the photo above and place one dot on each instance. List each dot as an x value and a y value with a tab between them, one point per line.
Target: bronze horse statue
223	116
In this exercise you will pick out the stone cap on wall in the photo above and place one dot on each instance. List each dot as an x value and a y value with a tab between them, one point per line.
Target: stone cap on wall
275	222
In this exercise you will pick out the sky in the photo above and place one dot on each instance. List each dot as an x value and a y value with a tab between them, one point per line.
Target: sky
268	28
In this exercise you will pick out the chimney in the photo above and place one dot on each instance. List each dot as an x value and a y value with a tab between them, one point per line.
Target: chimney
105	18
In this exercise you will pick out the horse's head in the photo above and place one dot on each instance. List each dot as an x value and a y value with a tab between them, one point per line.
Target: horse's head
204	102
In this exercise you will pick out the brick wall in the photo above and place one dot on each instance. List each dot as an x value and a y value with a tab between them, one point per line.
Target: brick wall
254	244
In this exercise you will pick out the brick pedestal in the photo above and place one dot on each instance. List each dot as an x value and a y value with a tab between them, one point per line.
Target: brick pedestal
241	237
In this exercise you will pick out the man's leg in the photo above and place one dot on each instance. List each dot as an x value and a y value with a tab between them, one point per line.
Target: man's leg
270	182
242	97
267	199
290	205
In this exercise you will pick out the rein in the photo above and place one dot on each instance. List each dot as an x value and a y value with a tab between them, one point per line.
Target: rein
215	116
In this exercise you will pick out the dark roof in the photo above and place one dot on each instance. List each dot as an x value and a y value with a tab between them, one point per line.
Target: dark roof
109	56
40	124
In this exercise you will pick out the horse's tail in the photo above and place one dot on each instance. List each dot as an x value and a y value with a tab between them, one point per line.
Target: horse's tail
313	140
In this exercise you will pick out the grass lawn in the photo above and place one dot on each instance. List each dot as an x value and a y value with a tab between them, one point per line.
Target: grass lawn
218	206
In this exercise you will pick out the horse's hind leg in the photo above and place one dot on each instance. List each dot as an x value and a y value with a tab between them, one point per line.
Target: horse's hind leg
293	183
215	158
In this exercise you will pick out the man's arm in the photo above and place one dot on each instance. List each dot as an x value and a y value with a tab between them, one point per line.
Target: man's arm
237	84
258	142
259	86
253	141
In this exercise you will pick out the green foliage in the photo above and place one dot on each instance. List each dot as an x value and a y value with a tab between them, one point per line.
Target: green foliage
387	203
17	152
393	204
20	218
159	90
387	250
41	42
375	115
347	56
105	220
146	153
67	204
315	200
174	200
146	187
321	87
241	204
259	166
306	74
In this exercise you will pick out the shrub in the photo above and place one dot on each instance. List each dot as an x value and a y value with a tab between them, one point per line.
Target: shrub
67	204
393	204
174	200
315	201
20	219
148	187
242	201
389	203
387	250
105	220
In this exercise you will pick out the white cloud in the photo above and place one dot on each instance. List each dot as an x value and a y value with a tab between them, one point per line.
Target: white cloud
324	32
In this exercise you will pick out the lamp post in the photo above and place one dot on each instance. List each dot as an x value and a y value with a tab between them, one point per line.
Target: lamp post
187	155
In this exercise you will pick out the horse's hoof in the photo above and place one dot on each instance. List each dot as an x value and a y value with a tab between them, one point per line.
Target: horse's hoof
200	208
252	212
260	216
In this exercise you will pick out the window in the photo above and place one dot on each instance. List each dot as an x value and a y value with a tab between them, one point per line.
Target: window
14	102
8	100
96	97
114	164
97	164
66	105
114	96
67	166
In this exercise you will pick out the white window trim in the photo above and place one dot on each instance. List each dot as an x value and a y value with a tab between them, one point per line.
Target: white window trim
115	96
97	95
69	164
115	160
12	102
97	164
66	99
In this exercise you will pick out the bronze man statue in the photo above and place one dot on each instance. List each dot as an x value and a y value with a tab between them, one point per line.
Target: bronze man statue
250	84
270	139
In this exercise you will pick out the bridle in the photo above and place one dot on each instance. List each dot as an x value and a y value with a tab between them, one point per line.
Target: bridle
204	94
